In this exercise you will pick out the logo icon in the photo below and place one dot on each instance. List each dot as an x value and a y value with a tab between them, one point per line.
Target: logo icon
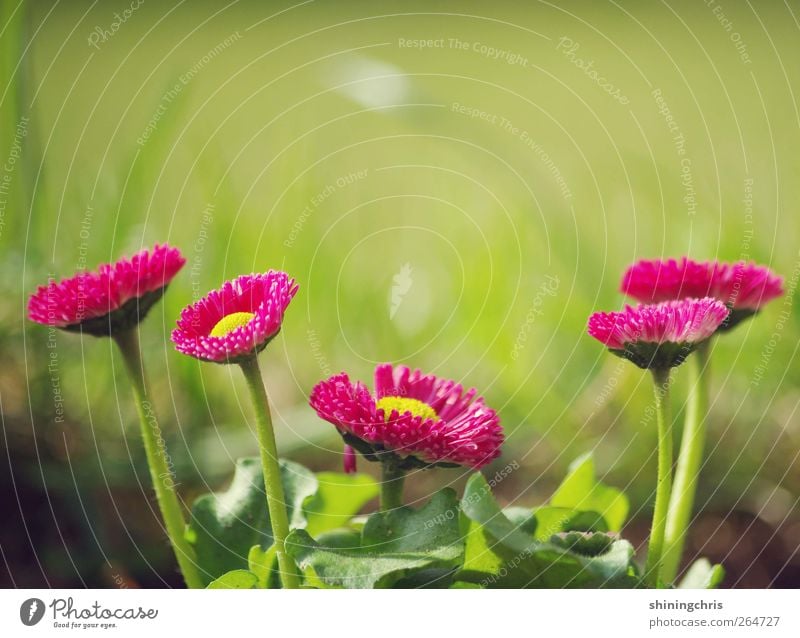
31	611
401	284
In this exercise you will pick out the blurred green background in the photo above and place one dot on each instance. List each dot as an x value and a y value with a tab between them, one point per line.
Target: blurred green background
455	185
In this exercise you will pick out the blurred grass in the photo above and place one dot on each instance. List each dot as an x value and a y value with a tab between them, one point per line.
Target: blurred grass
322	91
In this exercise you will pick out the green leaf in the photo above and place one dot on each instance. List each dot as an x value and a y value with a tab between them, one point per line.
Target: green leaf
263	564
338	498
584	543
341	538
235	579
478	557
522	517
500	554
352	569
702	575
433	529
551	520
224	526
403	547
480	561
581	491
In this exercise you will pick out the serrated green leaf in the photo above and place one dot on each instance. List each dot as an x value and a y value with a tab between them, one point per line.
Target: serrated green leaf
581	491
225	525
521	561
702	575
551	520
403	547
352	569
338	498
584	543
235	579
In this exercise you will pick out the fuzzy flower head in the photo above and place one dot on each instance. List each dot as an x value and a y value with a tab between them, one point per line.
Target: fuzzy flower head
416	420
237	321
113	298
744	287
658	336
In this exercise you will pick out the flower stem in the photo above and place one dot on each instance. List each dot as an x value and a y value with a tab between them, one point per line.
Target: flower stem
689	460
663	485
392	479
276	501
158	459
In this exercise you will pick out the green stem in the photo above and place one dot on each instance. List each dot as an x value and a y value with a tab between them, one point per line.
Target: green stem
663	486
392	479
276	501
158	460
690	458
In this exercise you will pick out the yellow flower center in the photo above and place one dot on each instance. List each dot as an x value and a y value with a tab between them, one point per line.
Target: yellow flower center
230	322
404	404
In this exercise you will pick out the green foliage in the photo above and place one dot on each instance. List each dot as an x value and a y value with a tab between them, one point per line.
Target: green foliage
263	564
231	530
403	547
501	554
702	575
225	526
549	520
138	193
581	491
338	498
235	579
433	529
446	543
584	543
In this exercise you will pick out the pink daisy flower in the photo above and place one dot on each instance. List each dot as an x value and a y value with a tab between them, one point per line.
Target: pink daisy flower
112	298
236	321
743	287
661	335
419	419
